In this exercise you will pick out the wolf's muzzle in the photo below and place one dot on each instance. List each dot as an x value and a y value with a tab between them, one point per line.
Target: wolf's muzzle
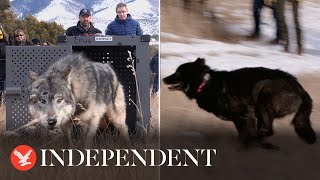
52	121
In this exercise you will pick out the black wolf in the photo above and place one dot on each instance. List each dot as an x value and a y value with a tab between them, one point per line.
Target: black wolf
250	97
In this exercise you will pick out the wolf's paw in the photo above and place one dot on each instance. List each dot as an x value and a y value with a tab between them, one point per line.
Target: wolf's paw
246	137
264	133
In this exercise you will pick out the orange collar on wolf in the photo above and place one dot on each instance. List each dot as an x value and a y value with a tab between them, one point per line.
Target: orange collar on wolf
206	77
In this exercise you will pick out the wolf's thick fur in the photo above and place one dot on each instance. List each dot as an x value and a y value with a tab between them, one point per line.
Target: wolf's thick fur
75	88
250	97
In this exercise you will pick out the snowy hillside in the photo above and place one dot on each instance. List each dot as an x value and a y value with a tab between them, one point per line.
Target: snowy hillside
66	12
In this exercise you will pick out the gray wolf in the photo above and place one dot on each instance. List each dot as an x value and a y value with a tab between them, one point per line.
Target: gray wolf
250	97
75	88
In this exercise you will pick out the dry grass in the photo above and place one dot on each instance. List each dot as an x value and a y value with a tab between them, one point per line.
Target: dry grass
153	135
38	137
59	172
2	115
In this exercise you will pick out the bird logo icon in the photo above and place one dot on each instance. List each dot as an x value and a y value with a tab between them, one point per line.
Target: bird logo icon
23	157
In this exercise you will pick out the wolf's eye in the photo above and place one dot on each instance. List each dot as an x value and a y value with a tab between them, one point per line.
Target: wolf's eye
33	99
59	100
43	101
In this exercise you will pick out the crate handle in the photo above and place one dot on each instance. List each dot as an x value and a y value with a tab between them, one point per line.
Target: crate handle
13	91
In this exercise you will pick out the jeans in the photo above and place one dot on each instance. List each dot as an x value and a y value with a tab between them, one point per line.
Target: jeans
283	27
257	7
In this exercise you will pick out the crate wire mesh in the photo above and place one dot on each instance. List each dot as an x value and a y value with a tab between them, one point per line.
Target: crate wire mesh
21	60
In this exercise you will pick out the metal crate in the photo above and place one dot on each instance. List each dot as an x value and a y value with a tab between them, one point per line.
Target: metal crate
109	49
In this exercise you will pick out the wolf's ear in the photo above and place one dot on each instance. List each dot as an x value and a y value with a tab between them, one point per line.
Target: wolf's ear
200	61
66	72
33	76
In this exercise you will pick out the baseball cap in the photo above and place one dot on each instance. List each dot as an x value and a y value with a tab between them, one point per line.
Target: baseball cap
35	40
84	12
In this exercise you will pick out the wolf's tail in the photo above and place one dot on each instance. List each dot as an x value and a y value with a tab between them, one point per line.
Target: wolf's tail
301	120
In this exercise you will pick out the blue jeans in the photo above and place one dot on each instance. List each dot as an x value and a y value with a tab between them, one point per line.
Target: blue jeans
257	7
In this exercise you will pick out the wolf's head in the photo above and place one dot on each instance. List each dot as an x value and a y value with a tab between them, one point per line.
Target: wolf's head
187	77
51	100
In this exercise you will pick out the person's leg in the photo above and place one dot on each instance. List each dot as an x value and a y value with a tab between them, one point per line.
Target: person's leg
276	18
295	6
282	23
257	7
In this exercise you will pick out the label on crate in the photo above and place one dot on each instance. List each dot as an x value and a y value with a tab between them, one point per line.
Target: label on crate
105	38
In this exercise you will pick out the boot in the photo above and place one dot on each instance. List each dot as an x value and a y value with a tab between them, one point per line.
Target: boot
300	50
275	41
253	36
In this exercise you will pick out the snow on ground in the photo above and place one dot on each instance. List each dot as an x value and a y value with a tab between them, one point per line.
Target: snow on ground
227	56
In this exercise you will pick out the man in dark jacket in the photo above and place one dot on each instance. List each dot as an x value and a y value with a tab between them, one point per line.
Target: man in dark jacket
36	42
123	23
84	26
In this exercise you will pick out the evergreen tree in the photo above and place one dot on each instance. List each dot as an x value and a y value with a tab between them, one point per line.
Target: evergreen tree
7	17
4	5
45	31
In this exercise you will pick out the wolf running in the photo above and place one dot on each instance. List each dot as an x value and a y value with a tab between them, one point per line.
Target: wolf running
250	97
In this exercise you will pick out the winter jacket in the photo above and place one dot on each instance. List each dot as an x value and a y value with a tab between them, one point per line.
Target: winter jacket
3	43
78	30
3	50
129	27
20	43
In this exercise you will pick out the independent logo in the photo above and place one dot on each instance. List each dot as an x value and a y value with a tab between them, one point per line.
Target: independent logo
23	157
